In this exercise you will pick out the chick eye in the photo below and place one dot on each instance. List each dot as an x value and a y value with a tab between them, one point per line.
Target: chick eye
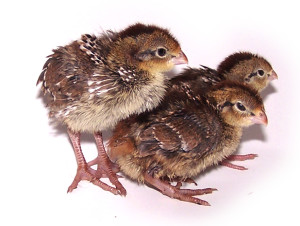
240	106
261	72
161	52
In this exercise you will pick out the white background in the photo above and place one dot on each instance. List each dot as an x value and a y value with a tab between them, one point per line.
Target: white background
37	161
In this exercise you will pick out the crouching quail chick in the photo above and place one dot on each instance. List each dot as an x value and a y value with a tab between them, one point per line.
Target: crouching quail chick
248	68
96	81
184	136
245	67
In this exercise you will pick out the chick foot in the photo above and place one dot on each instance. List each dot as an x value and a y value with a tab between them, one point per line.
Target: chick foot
107	167
227	162
176	193
100	173
84	172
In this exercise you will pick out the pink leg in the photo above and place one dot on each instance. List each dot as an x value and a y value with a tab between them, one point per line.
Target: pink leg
99	172
83	171
177	193
227	162
105	166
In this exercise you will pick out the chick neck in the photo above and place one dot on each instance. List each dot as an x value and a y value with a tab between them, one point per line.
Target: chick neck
121	54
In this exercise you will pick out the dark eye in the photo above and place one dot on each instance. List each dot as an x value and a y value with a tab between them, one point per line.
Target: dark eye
240	106
161	52
261	72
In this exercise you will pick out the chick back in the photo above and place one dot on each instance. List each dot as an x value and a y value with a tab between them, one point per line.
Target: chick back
194	80
89	93
174	140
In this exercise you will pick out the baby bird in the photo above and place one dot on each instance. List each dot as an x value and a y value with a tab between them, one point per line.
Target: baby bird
184	136
245	67
96	81
249	68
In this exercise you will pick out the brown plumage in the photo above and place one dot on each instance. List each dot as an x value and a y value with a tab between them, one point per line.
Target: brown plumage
94	82
194	80
245	67
184	136
248	68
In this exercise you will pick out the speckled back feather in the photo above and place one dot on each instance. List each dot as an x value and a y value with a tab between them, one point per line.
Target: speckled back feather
180	127
194	80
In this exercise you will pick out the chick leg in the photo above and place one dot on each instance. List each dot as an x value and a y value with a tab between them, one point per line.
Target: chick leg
227	162
173	192
105	164
83	171
99	173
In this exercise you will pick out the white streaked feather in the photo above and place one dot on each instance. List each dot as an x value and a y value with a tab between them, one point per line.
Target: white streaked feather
100	92
120	72
90	82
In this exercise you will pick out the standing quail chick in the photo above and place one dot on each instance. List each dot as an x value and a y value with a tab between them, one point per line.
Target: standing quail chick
94	82
245	67
184	136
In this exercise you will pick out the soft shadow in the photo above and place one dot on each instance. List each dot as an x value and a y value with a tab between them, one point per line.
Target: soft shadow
254	132
206	172
60	129
85	137
267	91
89	137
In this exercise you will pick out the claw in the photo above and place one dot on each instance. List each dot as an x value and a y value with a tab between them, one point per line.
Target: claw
175	192
226	162
85	172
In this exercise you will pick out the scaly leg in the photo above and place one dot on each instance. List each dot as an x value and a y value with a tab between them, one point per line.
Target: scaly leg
83	171
177	193
106	166
226	162
99	173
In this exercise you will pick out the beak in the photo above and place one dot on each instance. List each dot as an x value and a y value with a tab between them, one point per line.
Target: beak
180	59
260	118
273	76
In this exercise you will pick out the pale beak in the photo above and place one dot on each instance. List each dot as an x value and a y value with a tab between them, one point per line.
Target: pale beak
273	76
260	118
180	59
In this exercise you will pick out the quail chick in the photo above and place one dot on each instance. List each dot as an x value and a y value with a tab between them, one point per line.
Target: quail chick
184	136
96	81
248	68
245	67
